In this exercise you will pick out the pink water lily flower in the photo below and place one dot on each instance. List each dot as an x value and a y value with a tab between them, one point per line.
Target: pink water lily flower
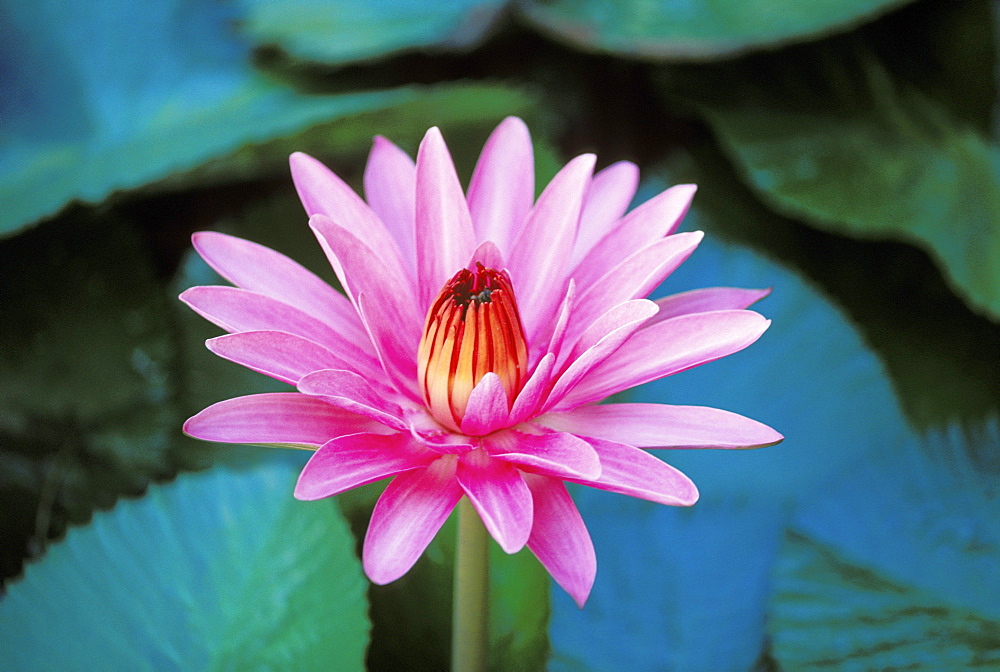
478	333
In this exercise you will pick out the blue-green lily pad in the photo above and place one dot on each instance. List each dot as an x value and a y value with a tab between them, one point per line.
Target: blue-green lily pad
353	30
111	96
699	29
690	589
871	158
218	570
831	615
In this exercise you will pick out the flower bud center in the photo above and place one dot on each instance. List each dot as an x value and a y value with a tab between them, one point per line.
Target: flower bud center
472	328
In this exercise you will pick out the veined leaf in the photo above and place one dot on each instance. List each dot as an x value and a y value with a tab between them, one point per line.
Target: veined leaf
218	570
698	30
353	30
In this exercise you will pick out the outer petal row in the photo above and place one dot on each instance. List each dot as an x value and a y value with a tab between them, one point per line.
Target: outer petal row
358	459
631	471
559	538
260	269
500	497
240	310
662	426
282	356
666	348
409	513
283	418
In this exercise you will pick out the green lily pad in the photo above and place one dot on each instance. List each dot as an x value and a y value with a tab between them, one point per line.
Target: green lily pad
698	30
354	30
218	570
831	615
865	155
101	99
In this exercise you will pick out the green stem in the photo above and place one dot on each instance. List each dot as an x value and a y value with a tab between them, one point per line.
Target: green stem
470	605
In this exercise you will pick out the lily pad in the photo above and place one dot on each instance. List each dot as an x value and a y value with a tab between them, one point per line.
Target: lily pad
923	514
697	30
218	570
866	156
832	615
354	30
690	589
87	112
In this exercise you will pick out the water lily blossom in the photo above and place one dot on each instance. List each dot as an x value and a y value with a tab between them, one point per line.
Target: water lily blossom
478	333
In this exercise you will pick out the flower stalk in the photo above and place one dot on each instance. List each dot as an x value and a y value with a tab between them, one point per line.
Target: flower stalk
470	599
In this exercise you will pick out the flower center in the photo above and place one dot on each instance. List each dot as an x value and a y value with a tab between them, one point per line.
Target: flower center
472	328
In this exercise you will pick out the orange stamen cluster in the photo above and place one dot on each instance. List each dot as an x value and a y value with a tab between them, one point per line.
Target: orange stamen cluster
472	328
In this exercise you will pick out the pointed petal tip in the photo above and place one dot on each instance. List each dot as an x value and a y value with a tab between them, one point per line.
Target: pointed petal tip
185	296
189	426
198	238
304	492
379	572
513	126
513	120
319	219
690	496
581	594
588	159
512	546
434	135
777	438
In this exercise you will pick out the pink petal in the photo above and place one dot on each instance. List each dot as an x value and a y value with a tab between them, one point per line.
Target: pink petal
264	271
668	347
443	225
358	459
651	221
607	199
323	193
487	254
499	495
630	471
443	443
277	354
600	341
388	312
553	453
559	539
539	258
239	310
487	409
533	391
353	393
662	426
407	516
390	189
633	278
502	188
562	322
706	300
282	418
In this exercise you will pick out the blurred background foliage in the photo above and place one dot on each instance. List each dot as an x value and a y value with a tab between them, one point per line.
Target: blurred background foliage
846	155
